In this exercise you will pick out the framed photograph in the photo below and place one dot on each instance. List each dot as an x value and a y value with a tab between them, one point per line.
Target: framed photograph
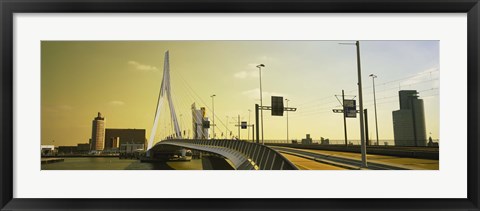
200	105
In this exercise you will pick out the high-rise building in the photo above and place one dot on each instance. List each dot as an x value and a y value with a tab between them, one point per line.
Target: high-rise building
409	122
200	123
98	133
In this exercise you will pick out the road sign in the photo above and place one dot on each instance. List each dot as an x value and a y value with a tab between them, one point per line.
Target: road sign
206	124
341	111
350	108
244	125
277	106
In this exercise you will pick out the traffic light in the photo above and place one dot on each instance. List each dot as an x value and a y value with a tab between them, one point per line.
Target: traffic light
277	106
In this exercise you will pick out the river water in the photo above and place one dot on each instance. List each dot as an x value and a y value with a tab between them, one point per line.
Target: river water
114	163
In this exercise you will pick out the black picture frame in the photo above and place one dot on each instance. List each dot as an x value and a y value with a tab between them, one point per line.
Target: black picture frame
10	7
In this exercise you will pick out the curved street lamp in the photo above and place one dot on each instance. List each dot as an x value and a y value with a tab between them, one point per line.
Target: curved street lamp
261	94
213	115
375	105
363	147
287	100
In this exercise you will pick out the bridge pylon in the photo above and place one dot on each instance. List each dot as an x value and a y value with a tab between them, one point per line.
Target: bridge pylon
165	92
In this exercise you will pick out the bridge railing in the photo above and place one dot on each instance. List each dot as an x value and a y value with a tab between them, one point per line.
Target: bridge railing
260	156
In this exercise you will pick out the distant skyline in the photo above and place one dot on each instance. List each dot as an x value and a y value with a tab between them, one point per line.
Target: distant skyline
121	79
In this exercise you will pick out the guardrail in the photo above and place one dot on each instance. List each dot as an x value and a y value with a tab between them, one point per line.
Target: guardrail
373	142
254	156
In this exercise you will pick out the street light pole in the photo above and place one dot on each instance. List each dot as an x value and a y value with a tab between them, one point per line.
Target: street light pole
181	125
226	128
248	125
363	146
287	118
213	115
261	94
360	95
239	127
375	105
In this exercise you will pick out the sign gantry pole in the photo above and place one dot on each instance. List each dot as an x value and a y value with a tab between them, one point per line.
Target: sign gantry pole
344	118
349	111
277	109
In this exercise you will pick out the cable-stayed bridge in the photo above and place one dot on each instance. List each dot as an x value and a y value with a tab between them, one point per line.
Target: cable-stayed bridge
243	155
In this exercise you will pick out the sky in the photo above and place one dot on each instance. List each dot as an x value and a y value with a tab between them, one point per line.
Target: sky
121	79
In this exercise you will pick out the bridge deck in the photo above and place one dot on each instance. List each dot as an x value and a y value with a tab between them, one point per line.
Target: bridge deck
242	154
397	151
308	164
392	161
